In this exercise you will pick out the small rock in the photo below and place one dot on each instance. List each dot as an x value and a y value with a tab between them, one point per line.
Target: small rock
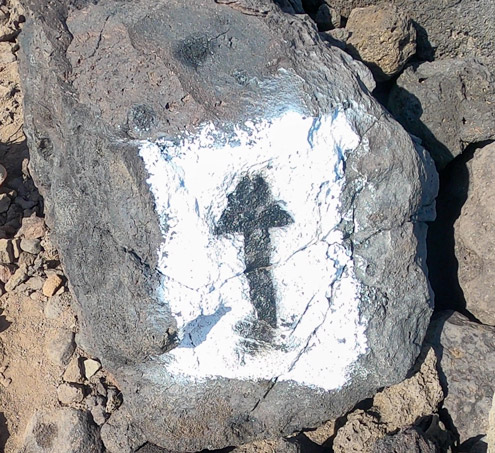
114	399
52	284
74	373
35	283
63	430
32	246
6	271
6	251
20	276
99	414
70	394
382	37
91	367
4	202
32	228
60	346
27	259
16	246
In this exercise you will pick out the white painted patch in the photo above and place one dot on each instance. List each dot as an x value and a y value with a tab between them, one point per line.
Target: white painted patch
319	335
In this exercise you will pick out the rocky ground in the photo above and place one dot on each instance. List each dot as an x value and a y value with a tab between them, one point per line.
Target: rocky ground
55	398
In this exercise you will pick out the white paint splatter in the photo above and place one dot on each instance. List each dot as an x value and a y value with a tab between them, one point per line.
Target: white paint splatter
319	335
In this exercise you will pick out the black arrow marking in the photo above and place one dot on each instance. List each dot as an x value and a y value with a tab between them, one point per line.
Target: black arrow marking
251	211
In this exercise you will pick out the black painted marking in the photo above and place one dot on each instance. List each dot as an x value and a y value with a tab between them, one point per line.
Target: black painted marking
252	212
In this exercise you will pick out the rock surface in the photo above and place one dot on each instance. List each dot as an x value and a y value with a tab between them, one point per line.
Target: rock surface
64	430
407	441
176	80
448	104
447	29
393	409
474	230
467	364
383	37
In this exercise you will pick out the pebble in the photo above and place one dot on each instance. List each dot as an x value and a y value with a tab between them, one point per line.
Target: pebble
32	227
70	394
6	271
35	283
91	367
61	347
73	373
4	203
52	284
6	251
26	258
16	246
32	246
20	276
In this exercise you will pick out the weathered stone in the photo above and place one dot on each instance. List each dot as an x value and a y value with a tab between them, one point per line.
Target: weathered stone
6	251
120	435
383	37
491	428
327	17
63	430
322	434
250	74
32	227
70	394
60	346
467	352
474	230
393	409
6	271
32	246
448	104
20	276
269	446
407	441
74	372
446	29
91	367
51	285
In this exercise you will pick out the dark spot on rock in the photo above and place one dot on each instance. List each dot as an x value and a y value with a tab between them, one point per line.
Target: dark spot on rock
194	50
44	434
142	118
45	148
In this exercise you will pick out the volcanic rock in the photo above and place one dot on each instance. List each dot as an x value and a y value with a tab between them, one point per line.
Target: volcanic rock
383	37
467	364
446	103
474	230
247	209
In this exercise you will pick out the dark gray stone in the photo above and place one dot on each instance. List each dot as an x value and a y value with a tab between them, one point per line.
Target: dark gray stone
63	430
467	363
448	104
99	78
407	441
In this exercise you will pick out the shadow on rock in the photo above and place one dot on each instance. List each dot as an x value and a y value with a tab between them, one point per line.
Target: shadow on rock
4	432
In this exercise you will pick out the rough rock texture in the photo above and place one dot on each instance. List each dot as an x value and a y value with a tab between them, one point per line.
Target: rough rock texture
474	231
394	408
467	363
119	435
98	78
491	428
446	29
63	430
448	104
383	37
407	441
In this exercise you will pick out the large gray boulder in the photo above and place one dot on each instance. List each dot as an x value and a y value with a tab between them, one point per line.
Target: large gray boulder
241	223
